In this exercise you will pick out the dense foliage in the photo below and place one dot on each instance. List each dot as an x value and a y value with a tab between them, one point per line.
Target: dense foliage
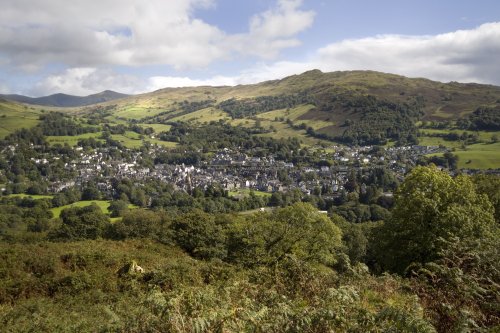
373	121
240	108
430	207
484	118
218	135
58	124
186	265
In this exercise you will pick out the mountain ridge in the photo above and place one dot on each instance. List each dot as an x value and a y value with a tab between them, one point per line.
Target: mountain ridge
66	100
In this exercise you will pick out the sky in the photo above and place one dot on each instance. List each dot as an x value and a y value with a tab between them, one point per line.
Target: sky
83	47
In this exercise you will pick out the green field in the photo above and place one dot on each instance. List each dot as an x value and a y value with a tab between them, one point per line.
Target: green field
166	144
101	203
14	116
246	192
203	115
484	136
35	197
73	140
484	155
284	131
129	139
478	156
292	113
434	141
158	128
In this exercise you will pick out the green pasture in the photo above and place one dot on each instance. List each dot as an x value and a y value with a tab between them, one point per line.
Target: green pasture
132	140
166	144
484	136
479	156
14	116
129	139
291	114
73	140
158	128
284	131
136	112
35	197
101	203
246	192
434	141
203	115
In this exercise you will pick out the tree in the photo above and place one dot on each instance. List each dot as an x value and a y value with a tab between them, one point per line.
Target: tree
138	223
298	230
198	234
91	193
81	223
490	186
118	208
431	206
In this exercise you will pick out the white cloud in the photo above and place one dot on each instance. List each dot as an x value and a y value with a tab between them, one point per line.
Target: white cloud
134	33
464	55
4	88
84	81
275	29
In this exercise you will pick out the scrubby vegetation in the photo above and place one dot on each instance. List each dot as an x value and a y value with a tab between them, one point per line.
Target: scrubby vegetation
432	265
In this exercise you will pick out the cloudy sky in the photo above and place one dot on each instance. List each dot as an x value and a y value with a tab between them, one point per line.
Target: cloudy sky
85	46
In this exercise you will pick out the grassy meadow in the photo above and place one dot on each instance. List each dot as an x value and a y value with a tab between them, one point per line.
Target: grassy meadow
101	203
73	140
14	116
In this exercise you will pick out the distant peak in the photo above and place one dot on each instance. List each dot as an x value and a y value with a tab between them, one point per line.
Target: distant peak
313	72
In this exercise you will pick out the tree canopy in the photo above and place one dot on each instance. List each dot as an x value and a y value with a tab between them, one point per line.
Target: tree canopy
431	206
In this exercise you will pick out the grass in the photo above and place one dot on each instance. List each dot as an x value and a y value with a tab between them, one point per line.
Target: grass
204	115
35	197
434	141
292	114
14	116
284	131
166	144
101	203
129	139
73	140
478	156
138	111
158	128
484	136
297	116
246	192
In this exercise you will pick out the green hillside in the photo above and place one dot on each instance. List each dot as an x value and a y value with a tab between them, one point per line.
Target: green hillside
350	107
14	116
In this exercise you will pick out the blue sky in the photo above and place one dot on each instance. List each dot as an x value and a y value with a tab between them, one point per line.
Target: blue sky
131	46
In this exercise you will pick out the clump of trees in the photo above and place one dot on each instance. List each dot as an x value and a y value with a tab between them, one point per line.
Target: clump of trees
58	124
240	108
484	118
431	207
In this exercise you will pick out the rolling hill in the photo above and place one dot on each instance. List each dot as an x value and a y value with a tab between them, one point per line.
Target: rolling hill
63	100
350	107
442	101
